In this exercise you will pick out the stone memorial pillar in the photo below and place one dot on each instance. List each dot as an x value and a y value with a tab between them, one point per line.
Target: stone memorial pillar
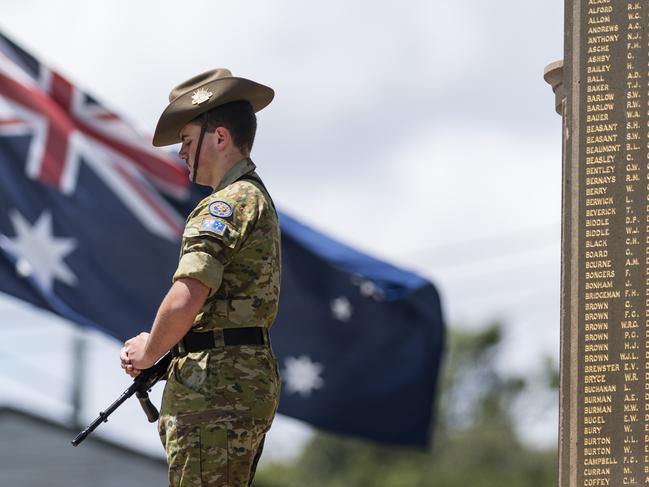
604	397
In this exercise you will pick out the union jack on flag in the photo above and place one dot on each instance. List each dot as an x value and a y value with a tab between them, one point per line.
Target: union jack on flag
92	213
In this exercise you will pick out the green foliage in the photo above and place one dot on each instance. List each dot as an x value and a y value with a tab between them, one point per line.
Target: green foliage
475	441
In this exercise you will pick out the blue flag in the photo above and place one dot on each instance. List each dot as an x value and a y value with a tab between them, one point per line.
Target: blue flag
92	214
90	230
359	341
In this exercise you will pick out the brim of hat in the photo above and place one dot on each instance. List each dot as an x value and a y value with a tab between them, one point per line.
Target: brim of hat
181	111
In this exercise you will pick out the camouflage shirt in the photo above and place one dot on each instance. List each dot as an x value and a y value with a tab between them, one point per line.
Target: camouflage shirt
231	243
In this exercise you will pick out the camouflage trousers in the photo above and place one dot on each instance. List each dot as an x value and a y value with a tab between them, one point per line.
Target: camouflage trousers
216	409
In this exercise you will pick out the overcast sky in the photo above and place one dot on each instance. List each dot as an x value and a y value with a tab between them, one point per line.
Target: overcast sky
420	132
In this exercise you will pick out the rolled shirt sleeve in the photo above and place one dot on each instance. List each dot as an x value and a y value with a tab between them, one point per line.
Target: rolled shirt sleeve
200	266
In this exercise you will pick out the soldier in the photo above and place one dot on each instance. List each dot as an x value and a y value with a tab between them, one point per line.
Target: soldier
223	384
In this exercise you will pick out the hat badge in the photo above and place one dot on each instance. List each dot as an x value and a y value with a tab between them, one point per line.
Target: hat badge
201	95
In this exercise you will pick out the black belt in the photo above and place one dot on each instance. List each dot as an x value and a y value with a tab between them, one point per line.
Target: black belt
197	341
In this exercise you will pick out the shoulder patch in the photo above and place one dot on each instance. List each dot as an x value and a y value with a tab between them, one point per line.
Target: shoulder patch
213	225
220	209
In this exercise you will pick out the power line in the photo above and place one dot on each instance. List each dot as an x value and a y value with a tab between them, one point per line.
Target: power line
528	294
505	245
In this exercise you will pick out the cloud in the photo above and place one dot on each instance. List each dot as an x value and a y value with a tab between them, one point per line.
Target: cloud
444	184
338	67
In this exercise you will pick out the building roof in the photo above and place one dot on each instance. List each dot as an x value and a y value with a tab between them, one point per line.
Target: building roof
36	452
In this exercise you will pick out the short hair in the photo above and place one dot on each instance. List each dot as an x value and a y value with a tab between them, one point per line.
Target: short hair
238	117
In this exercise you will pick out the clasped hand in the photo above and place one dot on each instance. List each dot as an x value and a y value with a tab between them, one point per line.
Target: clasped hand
133	357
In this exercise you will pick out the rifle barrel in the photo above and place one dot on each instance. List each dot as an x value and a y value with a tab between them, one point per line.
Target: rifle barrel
141	384
103	415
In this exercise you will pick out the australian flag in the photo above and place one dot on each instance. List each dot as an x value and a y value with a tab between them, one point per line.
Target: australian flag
90	229
360	340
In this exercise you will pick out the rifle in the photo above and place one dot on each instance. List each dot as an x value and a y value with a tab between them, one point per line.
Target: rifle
141	386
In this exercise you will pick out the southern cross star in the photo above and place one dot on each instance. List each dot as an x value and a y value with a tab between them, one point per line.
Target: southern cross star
371	290
341	309
302	375
38	252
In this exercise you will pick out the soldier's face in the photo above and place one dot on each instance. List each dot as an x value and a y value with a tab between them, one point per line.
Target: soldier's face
214	146
189	138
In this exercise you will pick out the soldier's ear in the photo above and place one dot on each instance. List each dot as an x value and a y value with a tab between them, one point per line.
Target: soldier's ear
222	135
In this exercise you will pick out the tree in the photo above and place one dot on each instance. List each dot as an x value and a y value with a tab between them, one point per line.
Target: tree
475	440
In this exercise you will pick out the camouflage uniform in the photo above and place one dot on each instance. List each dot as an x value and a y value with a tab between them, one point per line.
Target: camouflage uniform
219	403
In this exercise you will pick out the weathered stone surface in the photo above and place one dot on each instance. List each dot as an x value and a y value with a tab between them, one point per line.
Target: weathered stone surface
605	283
